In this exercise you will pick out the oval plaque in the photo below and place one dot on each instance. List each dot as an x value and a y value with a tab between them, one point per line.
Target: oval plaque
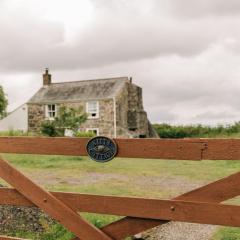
101	149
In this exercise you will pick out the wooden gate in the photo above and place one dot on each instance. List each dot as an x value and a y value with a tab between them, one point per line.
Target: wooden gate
202	205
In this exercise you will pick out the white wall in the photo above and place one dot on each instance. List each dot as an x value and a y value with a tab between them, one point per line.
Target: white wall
16	120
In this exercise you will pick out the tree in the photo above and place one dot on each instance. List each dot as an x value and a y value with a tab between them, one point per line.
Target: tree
67	118
3	103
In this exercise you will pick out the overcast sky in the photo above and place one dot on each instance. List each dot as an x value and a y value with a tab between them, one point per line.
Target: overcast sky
184	54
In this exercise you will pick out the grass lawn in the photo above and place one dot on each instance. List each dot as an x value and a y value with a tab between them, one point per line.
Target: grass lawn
227	233
132	177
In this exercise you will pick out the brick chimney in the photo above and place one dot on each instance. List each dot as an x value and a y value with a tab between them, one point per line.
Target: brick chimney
46	78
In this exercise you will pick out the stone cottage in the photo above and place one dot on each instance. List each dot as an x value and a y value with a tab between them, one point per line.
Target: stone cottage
114	106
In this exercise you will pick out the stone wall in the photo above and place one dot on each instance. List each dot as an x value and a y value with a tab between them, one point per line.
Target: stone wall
137	117
132	120
121	113
105	122
36	115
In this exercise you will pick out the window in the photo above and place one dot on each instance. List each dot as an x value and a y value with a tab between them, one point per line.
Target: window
93	130
92	109
51	111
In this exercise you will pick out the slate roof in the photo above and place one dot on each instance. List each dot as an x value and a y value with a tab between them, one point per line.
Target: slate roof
79	90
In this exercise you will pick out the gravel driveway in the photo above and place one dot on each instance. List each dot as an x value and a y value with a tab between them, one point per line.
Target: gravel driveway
180	231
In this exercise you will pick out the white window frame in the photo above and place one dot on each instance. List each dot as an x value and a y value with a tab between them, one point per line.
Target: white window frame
93	129
49	111
90	112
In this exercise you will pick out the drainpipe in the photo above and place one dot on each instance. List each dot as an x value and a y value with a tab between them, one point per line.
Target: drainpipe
114	118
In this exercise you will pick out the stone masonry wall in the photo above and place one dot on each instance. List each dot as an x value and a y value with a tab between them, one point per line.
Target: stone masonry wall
132	120
36	115
121	113
137	117
105	122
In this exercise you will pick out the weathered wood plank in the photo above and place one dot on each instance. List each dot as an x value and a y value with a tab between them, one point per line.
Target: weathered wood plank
133	148
50	204
179	149
190	211
161	148
222	149
215	192
177	210
44	145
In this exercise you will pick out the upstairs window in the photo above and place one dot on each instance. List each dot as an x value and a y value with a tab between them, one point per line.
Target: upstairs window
51	111
92	108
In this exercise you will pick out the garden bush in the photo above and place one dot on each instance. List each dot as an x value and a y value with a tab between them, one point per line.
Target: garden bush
197	131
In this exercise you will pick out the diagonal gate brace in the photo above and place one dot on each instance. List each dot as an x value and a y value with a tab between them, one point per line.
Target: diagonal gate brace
50	204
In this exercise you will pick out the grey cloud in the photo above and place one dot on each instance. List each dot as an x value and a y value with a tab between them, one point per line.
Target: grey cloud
116	34
216	115
185	54
161	114
26	39
204	8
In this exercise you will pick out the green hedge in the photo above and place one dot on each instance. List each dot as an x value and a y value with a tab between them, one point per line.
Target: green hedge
16	133
20	133
197	131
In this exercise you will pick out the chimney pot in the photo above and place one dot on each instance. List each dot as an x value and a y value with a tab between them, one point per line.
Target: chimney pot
47	78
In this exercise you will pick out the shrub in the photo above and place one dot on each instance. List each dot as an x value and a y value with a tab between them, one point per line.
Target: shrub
198	131
12	132
49	128
3	103
68	118
84	134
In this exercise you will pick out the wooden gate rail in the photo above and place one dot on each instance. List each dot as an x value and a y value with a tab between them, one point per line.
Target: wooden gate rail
175	210
198	206
178	149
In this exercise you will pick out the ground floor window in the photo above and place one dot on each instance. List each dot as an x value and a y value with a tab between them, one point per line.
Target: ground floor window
51	111
93	130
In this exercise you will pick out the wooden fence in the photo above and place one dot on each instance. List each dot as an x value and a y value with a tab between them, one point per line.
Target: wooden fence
202	205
